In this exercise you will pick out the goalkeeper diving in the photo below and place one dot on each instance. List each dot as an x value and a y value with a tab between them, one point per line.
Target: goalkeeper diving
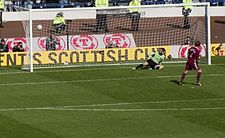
154	60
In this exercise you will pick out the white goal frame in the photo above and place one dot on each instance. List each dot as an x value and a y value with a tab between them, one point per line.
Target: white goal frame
207	22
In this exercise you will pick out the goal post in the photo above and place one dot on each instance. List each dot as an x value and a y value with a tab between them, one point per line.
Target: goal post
30	56
88	31
208	34
24	14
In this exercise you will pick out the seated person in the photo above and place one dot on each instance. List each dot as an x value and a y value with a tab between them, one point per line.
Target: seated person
51	43
18	47
111	45
3	46
154	61
59	23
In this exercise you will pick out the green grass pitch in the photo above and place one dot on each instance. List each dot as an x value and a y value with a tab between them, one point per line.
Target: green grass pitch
112	102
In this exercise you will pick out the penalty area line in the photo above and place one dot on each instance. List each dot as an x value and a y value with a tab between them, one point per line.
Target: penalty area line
115	109
90	106
94	68
136	109
100	80
140	103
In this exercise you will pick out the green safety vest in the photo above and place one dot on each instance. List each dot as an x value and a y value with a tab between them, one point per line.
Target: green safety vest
157	58
101	3
134	3
186	2
59	20
2	4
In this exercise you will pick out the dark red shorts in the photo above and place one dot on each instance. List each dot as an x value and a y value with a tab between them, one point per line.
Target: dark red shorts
192	66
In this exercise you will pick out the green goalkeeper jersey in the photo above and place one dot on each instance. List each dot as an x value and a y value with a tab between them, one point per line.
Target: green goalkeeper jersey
156	57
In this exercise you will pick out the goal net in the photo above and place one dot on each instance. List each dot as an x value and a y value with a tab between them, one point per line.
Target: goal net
116	35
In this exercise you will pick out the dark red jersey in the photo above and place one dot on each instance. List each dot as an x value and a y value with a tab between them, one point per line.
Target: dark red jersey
193	54
192	59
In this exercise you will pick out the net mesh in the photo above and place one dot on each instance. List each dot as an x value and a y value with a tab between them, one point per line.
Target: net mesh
132	36
151	31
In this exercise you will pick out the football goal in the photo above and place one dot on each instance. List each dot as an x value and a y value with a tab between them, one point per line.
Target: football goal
114	35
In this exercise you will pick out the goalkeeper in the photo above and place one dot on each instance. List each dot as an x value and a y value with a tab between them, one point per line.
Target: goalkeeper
154	61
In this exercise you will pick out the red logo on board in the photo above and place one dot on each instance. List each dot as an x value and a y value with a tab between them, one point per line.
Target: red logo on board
121	40
14	41
84	42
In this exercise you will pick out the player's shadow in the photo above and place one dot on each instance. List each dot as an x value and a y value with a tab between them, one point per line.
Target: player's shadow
220	22
177	82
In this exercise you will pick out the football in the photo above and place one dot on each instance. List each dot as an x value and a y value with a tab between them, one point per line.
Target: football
39	27
66	63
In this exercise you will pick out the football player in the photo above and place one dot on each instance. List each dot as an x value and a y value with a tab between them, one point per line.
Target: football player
154	62
193	57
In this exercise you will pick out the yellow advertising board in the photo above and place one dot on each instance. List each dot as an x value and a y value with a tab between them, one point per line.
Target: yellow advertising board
218	49
80	56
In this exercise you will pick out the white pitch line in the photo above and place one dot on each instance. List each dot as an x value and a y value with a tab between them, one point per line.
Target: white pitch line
115	109
25	109
89	69
73	81
138	109
138	103
77	107
63	70
100	80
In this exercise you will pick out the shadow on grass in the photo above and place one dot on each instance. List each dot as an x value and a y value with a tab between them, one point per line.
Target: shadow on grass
177	82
